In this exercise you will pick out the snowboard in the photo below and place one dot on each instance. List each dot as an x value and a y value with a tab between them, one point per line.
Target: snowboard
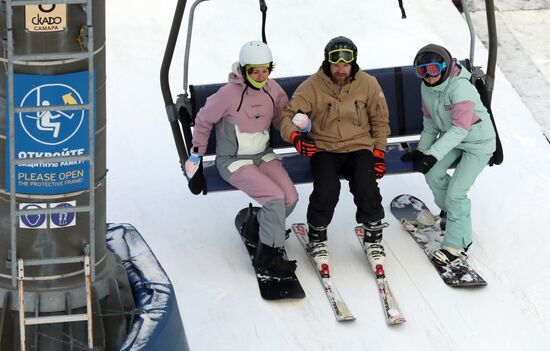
421	224
272	286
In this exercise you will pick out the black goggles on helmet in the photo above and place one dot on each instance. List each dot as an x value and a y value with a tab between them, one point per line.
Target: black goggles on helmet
340	55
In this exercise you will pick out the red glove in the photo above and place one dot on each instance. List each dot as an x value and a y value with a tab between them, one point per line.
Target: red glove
303	143
379	163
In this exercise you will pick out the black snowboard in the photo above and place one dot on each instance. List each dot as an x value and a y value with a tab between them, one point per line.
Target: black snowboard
418	221
272	286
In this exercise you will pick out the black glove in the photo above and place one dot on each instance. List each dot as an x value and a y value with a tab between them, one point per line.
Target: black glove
424	163
197	184
411	156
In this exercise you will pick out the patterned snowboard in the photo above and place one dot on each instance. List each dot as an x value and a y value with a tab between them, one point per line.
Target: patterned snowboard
272	286
419	222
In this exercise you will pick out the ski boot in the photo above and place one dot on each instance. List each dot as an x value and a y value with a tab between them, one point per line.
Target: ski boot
317	248
371	243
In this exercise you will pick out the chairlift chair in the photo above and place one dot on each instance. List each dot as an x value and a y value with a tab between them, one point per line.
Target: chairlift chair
400	85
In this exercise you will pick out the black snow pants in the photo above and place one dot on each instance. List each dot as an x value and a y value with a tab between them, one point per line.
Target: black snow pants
358	169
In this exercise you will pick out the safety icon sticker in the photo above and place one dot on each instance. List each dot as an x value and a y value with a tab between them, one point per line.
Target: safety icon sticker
51	127
63	219
52	221
32	221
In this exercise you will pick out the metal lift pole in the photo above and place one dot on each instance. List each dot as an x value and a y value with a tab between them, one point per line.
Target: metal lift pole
466	12
492	60
165	86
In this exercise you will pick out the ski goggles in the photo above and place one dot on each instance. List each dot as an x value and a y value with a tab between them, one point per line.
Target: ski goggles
340	55
430	69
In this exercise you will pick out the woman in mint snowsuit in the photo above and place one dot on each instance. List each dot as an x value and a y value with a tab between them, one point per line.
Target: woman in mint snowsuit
456	126
242	113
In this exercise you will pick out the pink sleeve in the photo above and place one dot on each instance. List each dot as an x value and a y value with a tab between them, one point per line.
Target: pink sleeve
211	113
463	114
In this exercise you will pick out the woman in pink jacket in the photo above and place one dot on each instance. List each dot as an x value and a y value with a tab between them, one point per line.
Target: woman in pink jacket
242	113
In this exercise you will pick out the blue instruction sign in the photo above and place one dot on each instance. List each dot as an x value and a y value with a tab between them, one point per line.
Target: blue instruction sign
50	133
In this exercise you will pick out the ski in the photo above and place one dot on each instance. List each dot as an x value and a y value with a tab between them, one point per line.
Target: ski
391	309
338	305
272	286
422	225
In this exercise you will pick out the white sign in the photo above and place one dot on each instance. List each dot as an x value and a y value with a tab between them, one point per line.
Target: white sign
46	18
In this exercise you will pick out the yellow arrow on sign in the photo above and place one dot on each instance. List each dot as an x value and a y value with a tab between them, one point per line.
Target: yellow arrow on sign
68	99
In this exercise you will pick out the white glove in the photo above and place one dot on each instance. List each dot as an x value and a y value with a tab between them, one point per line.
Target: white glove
192	164
302	121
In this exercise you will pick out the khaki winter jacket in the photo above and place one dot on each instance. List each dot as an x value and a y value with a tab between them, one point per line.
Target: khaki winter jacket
344	119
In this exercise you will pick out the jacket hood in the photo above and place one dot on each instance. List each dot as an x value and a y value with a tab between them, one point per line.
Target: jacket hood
236	76
442	52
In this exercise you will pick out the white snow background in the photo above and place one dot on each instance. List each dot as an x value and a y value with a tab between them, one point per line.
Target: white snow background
194	236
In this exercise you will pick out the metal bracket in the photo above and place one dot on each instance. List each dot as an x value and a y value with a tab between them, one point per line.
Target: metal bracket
8	259
82	38
86	249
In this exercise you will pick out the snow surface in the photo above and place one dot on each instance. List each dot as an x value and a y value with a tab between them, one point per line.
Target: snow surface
194	238
523	50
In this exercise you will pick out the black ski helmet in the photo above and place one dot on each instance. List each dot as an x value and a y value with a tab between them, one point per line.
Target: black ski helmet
435	53
340	42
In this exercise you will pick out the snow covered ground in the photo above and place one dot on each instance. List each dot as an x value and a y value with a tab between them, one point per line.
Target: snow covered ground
524	50
194	237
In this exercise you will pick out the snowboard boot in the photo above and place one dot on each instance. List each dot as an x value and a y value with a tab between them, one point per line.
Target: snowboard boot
251	228
371	242
271	259
449	256
443	220
317	248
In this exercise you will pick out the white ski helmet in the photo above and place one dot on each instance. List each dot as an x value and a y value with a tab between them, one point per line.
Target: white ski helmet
255	53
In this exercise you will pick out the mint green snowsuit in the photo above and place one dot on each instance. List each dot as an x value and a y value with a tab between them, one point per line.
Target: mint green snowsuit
456	125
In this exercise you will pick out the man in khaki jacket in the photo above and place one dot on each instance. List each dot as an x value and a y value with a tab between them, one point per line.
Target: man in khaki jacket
339	118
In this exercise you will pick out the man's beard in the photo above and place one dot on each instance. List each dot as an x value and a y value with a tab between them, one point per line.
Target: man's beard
340	79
